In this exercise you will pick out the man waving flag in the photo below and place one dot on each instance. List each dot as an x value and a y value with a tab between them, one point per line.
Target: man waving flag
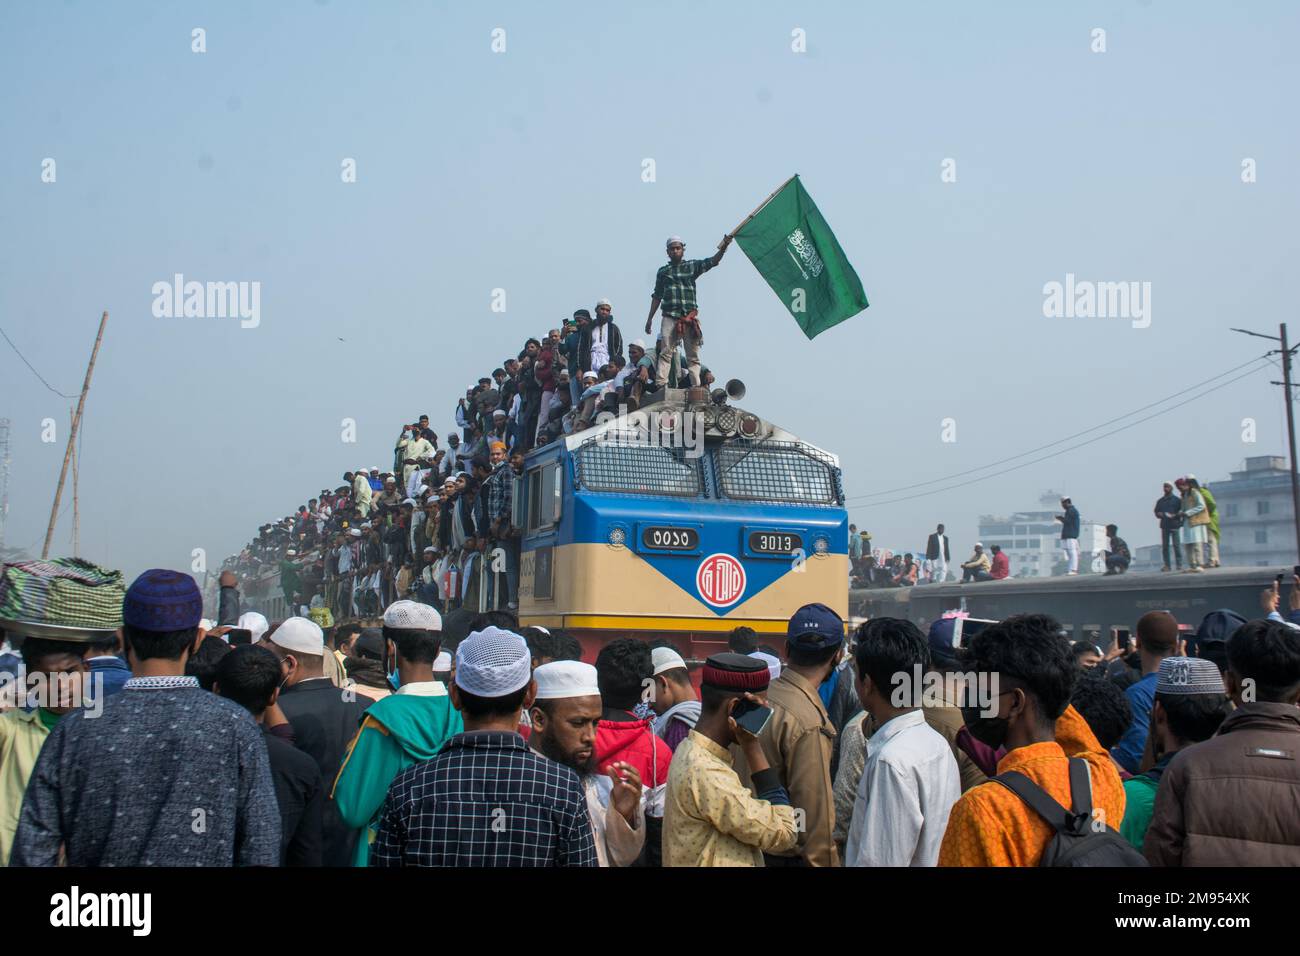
794	249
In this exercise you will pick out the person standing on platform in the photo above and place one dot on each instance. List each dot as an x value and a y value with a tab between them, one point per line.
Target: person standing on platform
674	294
936	551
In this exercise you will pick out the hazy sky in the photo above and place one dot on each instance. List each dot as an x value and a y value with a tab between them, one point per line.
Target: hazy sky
522	171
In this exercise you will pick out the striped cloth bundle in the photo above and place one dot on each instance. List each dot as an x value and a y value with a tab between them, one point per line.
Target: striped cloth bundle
63	592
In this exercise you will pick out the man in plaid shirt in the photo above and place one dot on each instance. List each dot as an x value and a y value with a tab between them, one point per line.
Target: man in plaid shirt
675	292
499	491
486	799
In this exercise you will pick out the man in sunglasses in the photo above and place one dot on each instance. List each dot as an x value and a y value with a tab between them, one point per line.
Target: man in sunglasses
324	718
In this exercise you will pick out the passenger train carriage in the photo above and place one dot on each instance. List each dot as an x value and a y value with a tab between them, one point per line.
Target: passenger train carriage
684	519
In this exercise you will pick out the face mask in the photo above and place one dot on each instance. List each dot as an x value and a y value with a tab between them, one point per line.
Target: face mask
990	731
393	680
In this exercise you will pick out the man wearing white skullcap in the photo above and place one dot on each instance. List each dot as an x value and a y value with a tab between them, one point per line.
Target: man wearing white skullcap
675	291
324	719
400	730
254	623
675	701
486	799
564	718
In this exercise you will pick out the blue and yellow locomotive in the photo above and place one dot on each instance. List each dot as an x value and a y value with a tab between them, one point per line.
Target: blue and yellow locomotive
684	519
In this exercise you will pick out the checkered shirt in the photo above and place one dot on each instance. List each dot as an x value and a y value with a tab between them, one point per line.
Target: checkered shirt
675	286
486	799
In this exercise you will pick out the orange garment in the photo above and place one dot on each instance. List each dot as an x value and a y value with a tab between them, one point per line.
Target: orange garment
991	826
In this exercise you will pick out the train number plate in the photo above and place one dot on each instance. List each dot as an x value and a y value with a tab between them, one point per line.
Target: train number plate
659	538
775	542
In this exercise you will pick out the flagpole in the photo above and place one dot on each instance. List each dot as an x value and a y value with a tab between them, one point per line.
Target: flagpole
759	208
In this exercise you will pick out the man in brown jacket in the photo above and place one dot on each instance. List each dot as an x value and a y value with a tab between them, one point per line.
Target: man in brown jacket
798	740
1231	800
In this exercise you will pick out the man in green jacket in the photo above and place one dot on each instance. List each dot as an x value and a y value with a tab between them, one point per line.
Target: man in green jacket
406	728
1190	703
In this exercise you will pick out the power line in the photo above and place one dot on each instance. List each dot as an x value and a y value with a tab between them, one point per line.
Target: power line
32	367
1052	444
1063	451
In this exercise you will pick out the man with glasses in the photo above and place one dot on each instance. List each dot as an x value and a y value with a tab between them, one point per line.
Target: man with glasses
325	718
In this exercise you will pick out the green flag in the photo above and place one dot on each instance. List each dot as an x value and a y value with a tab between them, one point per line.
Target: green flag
795	251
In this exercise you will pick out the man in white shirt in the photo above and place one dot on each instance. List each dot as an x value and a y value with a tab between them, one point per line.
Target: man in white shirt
910	781
564	718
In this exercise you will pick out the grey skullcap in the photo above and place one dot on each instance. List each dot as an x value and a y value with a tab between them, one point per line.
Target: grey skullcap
1188	675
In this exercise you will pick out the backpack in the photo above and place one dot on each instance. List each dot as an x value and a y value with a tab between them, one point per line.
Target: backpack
1075	843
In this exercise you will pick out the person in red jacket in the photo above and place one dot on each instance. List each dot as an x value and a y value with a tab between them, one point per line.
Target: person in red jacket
624	672
1001	564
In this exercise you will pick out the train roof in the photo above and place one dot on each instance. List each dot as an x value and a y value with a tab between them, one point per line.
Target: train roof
1081	584
715	422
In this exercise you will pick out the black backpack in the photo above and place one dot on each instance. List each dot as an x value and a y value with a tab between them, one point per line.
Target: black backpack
1075	843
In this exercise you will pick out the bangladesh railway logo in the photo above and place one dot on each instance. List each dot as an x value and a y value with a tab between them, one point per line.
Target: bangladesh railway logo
720	580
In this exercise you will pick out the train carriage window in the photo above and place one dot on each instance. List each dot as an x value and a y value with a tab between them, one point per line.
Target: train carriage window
545	495
776	471
638	470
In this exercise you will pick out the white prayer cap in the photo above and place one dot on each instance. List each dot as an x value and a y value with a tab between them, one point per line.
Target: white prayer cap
590	375
665	659
979	544
560	679
429	549
390	480
254	622
300	634
773	663
412	615
291	553
374	468
493	663
538	627
355	532
498	411
409	501
673	239
600	302
442	662
638	344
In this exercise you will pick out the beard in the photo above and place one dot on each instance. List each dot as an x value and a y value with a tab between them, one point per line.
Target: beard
550	749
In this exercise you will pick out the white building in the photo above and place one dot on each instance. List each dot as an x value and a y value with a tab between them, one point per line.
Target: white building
1032	540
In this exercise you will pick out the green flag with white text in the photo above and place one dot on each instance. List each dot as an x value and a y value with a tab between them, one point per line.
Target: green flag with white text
794	249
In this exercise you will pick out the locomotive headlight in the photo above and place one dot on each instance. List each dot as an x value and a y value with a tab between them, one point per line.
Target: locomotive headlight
727	421
748	425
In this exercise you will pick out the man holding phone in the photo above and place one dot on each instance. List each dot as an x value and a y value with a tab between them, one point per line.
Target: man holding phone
710	817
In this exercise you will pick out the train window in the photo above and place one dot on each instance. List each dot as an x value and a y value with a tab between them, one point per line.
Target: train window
544	496
638	470
776	471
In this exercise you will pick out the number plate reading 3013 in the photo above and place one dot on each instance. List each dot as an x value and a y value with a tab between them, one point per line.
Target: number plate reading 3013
670	539
774	542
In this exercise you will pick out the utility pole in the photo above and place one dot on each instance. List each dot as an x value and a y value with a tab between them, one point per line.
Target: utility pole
4	481
76	423
1286	384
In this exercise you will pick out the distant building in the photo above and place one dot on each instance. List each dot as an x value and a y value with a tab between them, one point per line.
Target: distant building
1256	521
1031	541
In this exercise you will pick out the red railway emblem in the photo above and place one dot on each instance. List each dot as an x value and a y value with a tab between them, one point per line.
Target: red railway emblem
720	580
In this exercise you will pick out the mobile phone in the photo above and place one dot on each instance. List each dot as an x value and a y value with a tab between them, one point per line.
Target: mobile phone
966	628
1278	581
751	716
1296	570
239	635
1123	638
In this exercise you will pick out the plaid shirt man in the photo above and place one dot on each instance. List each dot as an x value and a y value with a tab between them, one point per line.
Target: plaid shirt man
500	488
675	286
486	799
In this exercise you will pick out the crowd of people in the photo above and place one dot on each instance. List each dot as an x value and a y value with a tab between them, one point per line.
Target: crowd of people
420	530
1189	533
500	746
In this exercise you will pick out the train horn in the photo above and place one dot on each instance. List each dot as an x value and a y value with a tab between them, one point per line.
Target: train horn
736	389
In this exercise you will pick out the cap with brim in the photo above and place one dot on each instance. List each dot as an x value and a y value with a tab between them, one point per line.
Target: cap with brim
64	599
814	627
